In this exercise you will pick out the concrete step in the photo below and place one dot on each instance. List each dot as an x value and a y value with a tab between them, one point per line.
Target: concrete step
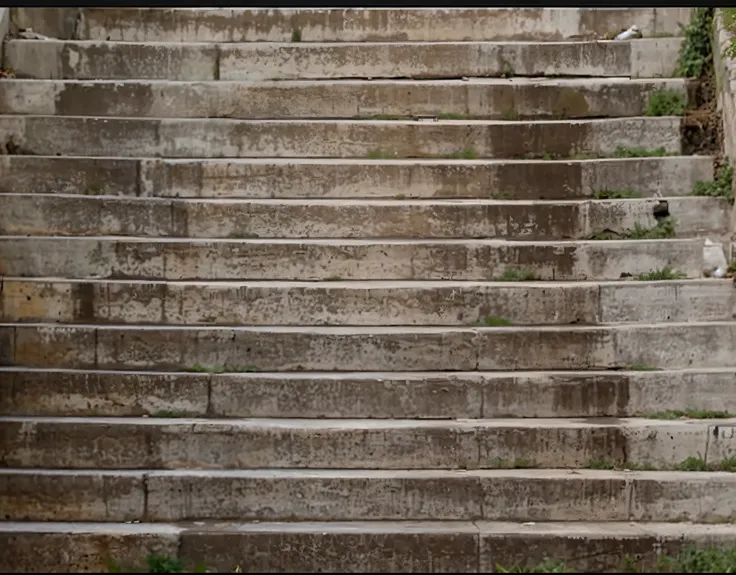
369	25
411	395
402	348
349	259
366	495
227	138
342	302
336	178
74	215
497	99
353	547
83	60
166	443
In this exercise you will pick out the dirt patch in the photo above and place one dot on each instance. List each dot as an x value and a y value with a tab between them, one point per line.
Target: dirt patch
702	129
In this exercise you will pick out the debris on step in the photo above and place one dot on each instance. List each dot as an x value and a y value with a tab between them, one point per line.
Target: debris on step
632	32
720	272
713	259
29	34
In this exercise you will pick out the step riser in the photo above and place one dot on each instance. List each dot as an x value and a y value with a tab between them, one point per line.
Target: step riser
672	346
526	180
202	444
379	260
499	101
381	396
75	216
359	548
180	138
51	59
361	25
337	304
509	496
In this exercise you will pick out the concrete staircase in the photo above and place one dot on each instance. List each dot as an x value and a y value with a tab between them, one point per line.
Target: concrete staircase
258	312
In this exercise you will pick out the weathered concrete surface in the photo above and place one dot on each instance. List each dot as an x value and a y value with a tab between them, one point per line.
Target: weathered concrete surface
83	548
363	303
350	259
369	25
53	59
416	348
154	443
422	395
80	60
366	495
595	547
498	99
354	546
227	138
637	58
72	215
360	178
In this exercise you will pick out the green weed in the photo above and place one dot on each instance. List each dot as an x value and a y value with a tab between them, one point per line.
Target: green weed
721	187
664	229
616	194
664	274
690	414
382	155
622	152
666	103
197	368
514	275
642	367
464	155
695	52
493	321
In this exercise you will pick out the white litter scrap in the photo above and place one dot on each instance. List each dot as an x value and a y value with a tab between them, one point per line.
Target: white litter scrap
714	259
632	32
29	34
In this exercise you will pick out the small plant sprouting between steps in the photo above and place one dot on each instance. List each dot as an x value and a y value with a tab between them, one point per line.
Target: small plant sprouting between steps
622	152
218	369
690	560
493	321
720	187
467	154
666	102
513	275
625	194
664	229
641	367
664	274
157	564
689	414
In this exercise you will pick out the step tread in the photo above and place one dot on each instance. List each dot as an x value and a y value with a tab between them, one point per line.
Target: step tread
408	375
377	424
569	529
353	241
383	284
342	121
382	474
417	82
363	162
368	202
377	330
337	44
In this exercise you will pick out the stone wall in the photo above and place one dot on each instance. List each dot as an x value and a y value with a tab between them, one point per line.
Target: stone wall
725	69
